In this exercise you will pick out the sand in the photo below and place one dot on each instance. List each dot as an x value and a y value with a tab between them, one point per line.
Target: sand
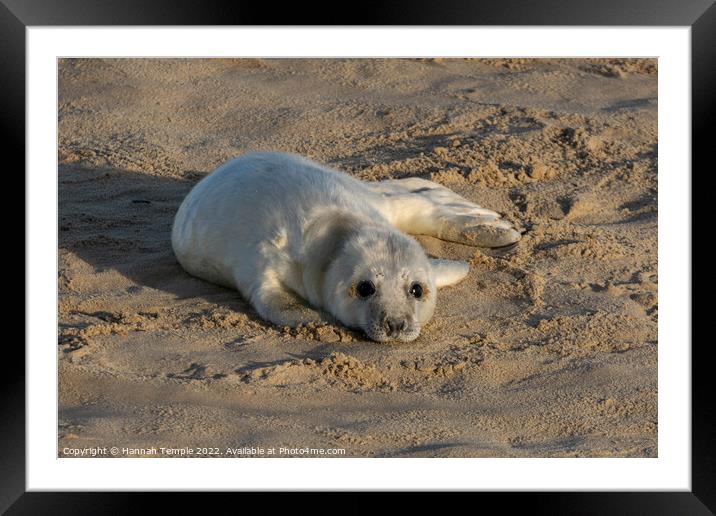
547	349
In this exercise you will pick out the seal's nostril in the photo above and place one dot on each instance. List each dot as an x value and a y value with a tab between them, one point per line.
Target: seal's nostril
395	325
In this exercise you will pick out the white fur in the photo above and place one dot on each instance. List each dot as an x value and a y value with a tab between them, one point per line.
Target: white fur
293	237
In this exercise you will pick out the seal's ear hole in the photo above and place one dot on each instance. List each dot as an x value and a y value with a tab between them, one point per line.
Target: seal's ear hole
448	272
325	237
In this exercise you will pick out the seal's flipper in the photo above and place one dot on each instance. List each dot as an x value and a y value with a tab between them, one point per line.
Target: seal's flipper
421	207
448	272
476	230
280	306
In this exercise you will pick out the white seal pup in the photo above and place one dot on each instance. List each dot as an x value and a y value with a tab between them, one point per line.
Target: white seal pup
295	237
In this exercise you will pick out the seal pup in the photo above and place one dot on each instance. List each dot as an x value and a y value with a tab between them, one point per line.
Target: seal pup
295	237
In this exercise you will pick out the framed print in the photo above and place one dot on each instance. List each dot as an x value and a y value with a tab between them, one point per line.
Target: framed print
445	250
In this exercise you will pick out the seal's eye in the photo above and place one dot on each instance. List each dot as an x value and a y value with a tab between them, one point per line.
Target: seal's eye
416	290
365	289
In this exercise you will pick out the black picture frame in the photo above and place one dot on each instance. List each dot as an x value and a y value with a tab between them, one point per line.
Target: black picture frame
700	15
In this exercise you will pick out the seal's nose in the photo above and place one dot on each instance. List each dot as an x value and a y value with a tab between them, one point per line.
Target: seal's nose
394	326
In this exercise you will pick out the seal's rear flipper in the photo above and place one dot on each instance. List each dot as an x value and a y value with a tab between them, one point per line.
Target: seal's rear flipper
448	272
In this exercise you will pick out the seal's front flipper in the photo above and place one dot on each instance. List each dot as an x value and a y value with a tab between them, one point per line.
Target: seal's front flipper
421	207
448	272
282	307
477	230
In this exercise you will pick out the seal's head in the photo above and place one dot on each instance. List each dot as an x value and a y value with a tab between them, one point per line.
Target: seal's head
374	278
381	282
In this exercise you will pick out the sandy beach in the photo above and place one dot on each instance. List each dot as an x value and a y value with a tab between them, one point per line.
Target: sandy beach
547	349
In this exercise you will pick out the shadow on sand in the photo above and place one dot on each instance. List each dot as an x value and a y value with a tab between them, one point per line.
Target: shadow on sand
121	220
